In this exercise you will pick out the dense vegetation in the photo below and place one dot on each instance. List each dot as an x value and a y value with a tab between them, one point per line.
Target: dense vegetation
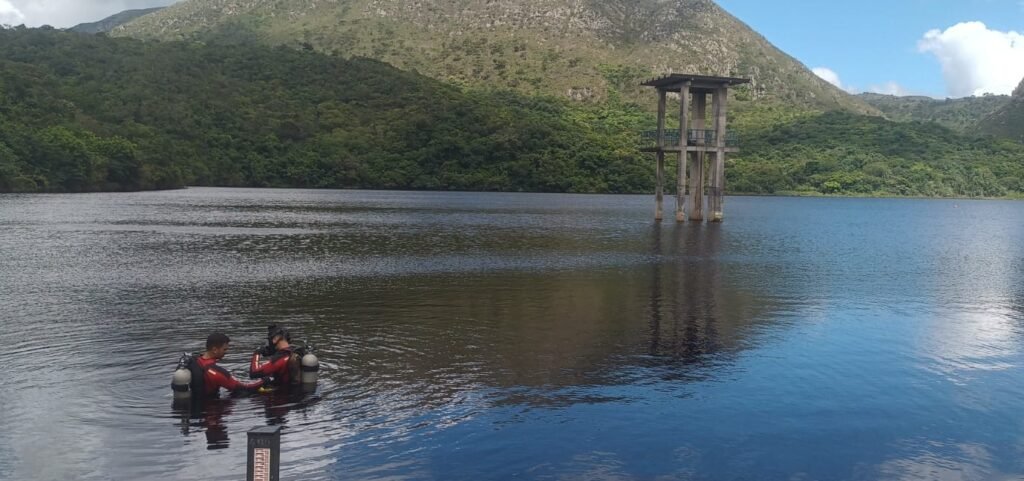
962	114
85	113
82	113
842	153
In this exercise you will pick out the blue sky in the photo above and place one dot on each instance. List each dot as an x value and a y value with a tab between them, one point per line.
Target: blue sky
870	43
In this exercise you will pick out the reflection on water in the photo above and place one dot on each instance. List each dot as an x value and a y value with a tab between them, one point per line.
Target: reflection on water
209	415
480	336
205	416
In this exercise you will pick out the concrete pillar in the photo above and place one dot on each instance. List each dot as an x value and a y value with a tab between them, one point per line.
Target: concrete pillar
712	194
697	158
716	199
658	189
660	176
684	114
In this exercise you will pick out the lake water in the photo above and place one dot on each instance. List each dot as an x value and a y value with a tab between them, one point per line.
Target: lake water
499	336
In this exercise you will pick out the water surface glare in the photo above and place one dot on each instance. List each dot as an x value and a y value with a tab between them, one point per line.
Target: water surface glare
497	336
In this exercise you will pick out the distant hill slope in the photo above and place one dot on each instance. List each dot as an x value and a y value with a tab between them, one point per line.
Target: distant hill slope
90	112
958	114
1008	121
113	21
581	49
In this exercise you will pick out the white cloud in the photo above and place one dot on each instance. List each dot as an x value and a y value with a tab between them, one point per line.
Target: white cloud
828	75
890	88
10	15
833	78
68	13
976	60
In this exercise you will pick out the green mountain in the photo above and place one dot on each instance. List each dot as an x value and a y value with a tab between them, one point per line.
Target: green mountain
843	153
1007	121
88	112
113	21
958	114
580	49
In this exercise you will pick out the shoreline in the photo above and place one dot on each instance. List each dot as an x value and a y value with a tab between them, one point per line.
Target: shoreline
791	194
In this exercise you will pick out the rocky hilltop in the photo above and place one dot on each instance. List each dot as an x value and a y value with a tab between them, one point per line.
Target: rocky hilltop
1008	121
588	50
113	21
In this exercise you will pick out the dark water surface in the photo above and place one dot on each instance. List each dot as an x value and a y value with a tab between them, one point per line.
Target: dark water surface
491	336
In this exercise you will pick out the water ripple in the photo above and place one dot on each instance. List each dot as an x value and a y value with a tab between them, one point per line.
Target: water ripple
480	336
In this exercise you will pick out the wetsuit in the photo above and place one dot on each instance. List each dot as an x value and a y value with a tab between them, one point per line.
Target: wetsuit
282	365
216	377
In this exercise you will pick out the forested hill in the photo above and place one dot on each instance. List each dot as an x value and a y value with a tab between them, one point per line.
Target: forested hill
961	114
1008	120
586	50
842	153
85	113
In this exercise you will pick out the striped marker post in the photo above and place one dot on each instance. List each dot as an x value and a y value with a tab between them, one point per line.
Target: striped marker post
264	460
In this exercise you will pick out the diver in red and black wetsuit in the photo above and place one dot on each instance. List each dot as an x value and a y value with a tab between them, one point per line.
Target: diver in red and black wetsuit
278	359
216	377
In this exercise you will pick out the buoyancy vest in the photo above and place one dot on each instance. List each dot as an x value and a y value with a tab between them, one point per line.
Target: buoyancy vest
293	365
198	384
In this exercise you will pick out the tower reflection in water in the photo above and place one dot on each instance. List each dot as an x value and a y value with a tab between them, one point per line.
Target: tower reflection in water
699	310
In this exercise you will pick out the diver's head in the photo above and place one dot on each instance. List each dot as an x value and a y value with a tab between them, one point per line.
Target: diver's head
217	345
278	336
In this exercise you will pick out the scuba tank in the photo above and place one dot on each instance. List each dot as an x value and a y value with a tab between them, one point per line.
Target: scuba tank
181	381
187	378
310	368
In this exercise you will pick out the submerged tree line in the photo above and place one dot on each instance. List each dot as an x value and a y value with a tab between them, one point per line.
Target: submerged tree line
88	113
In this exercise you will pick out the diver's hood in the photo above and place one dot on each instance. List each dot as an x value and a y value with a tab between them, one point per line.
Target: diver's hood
274	331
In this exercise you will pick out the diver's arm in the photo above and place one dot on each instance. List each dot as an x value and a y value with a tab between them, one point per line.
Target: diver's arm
220	378
254	365
277	364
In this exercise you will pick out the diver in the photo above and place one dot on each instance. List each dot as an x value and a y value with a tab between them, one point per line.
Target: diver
278	359
288	365
200	374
